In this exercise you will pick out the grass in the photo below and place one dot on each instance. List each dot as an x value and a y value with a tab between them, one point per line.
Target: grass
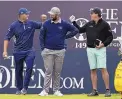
78	96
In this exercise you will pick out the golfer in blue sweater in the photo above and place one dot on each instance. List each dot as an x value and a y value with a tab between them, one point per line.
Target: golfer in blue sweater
23	31
52	41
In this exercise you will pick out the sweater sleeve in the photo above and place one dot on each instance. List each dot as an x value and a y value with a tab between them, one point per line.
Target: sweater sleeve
81	29
71	30
109	36
42	36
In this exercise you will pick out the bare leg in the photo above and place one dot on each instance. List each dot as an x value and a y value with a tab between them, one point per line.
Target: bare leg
105	76
94	79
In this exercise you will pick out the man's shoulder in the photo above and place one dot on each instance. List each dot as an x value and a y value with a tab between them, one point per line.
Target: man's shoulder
14	24
105	23
64	21
47	22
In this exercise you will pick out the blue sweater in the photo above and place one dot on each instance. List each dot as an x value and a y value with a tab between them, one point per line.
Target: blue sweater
53	35
23	34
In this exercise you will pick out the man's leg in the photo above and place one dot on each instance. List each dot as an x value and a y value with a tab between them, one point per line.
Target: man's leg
49	64
29	60
94	78
19	60
105	77
59	59
101	63
93	66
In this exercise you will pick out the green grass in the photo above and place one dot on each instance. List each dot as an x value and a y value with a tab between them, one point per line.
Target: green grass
78	96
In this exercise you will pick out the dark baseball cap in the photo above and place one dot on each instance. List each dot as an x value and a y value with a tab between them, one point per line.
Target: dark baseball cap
23	11
95	10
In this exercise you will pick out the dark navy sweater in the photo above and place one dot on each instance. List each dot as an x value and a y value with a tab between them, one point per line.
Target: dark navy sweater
23	33
53	35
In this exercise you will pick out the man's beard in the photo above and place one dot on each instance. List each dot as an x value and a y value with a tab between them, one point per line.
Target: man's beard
54	19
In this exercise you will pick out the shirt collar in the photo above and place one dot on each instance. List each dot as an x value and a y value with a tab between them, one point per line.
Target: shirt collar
22	22
99	21
59	21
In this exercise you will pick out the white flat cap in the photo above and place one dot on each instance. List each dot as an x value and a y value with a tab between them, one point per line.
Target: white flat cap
54	10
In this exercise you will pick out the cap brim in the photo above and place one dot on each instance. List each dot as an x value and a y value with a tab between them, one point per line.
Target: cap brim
28	12
51	13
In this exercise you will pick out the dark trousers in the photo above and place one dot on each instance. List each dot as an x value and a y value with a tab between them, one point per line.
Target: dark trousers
21	57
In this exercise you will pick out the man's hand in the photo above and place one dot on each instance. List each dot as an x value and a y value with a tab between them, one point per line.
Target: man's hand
72	18
5	55
100	46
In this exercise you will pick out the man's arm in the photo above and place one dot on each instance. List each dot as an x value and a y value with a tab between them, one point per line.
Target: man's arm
81	29
42	36
9	35
37	25
109	36
72	30
5	47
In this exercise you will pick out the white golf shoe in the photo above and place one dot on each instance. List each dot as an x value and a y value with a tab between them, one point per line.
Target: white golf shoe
58	93
43	93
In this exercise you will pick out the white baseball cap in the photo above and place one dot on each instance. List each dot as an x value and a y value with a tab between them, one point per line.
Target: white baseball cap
54	10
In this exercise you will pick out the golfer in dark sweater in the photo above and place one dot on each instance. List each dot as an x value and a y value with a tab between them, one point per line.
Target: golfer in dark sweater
99	36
